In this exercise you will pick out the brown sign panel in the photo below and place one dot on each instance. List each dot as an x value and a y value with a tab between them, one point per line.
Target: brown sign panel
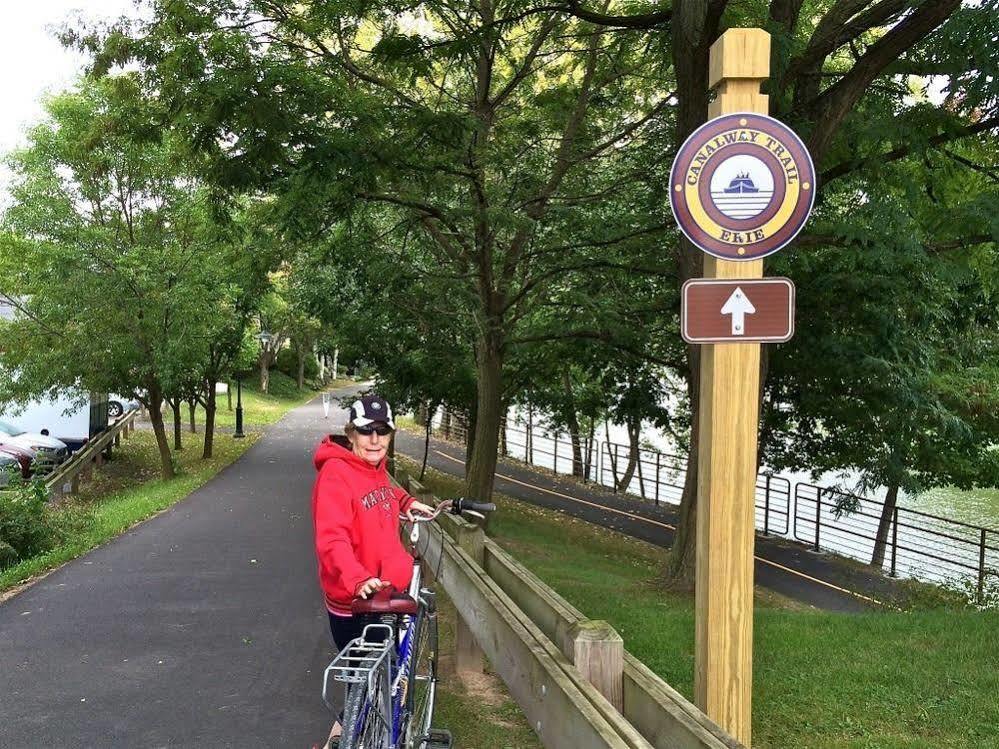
715	310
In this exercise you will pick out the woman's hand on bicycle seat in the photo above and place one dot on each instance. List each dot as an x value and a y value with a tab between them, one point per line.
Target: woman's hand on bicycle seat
370	586
417	507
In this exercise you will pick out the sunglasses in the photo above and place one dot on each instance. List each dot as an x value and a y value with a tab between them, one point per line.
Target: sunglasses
381	429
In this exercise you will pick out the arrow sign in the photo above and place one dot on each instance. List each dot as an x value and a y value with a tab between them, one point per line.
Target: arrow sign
738	305
716	310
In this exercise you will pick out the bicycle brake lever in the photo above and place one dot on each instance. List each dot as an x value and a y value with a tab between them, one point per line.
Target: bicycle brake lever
474	514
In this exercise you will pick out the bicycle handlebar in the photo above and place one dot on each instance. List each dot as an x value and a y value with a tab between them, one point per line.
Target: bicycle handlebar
460	505
455	506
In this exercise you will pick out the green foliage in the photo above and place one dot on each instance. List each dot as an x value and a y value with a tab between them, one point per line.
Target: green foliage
287	362
474	196
25	525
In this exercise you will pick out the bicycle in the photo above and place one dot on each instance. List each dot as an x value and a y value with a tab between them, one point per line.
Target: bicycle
390	671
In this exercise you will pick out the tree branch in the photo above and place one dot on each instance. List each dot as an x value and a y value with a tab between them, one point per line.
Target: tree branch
832	106
845	167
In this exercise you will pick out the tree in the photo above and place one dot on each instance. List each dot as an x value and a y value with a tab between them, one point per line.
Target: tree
106	249
501	134
896	375
466	128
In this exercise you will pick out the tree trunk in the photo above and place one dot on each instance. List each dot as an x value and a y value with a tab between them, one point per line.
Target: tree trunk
587	468
192	404
468	429
301	368
422	417
336	361
175	407
694	28
446	423
228	393
428	425
681	559
502	433
573	423
159	430
265	373
321	360
489	407
634	426
612	454
209	422
529	439
884	525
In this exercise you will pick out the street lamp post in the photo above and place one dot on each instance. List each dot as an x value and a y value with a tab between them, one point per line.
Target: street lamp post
264	337
239	408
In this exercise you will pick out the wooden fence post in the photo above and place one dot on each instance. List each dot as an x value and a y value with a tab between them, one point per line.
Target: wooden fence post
597	651
468	658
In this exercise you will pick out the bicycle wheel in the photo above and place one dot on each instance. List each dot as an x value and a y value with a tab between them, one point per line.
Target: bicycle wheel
364	725
422	681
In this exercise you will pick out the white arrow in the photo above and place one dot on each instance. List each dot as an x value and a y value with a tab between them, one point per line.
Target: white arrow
738	305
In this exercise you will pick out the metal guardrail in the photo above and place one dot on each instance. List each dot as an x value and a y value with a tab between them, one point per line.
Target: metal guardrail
658	476
921	545
84	458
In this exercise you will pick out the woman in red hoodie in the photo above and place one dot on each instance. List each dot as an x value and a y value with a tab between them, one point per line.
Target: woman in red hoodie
355	512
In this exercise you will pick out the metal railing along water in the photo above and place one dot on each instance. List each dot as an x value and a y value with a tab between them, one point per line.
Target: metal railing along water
919	544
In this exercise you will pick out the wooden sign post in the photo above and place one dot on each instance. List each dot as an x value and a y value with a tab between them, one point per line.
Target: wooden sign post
730	381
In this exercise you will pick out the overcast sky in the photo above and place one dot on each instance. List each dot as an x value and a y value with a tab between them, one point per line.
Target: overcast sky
34	63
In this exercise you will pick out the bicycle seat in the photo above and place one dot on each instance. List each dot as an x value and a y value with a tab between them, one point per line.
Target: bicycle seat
385	601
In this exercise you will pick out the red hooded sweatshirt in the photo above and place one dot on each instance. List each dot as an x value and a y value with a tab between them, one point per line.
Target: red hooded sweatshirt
355	513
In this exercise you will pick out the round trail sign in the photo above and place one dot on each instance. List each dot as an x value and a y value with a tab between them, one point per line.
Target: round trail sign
742	186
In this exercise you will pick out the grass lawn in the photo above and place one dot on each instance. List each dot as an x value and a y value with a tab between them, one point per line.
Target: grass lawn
129	489
479	713
258	409
922	679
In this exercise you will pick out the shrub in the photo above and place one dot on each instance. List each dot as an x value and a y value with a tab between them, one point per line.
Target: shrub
287	362
25	526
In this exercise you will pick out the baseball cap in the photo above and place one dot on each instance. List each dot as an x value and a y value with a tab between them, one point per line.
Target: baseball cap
370	409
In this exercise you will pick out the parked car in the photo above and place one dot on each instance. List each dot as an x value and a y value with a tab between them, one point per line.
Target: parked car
9	467
119	405
50	451
24	456
73	416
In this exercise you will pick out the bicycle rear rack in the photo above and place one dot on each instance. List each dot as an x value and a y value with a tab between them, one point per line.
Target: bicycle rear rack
362	660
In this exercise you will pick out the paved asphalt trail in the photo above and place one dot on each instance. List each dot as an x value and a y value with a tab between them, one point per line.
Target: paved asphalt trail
202	627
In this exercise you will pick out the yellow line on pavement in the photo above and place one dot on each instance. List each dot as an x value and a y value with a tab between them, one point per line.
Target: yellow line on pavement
632	515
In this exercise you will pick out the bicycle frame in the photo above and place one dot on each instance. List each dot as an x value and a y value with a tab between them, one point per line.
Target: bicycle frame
392	658
394	661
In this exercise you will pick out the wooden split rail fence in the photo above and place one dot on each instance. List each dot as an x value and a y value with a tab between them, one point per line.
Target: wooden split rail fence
66	478
571	676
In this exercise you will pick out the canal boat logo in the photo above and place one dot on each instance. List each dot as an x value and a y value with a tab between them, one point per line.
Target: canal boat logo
742	186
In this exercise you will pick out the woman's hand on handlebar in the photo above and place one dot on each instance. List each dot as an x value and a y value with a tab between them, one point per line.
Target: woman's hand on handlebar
416	507
370	586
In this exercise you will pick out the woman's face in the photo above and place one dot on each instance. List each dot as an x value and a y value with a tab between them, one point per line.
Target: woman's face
370	447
